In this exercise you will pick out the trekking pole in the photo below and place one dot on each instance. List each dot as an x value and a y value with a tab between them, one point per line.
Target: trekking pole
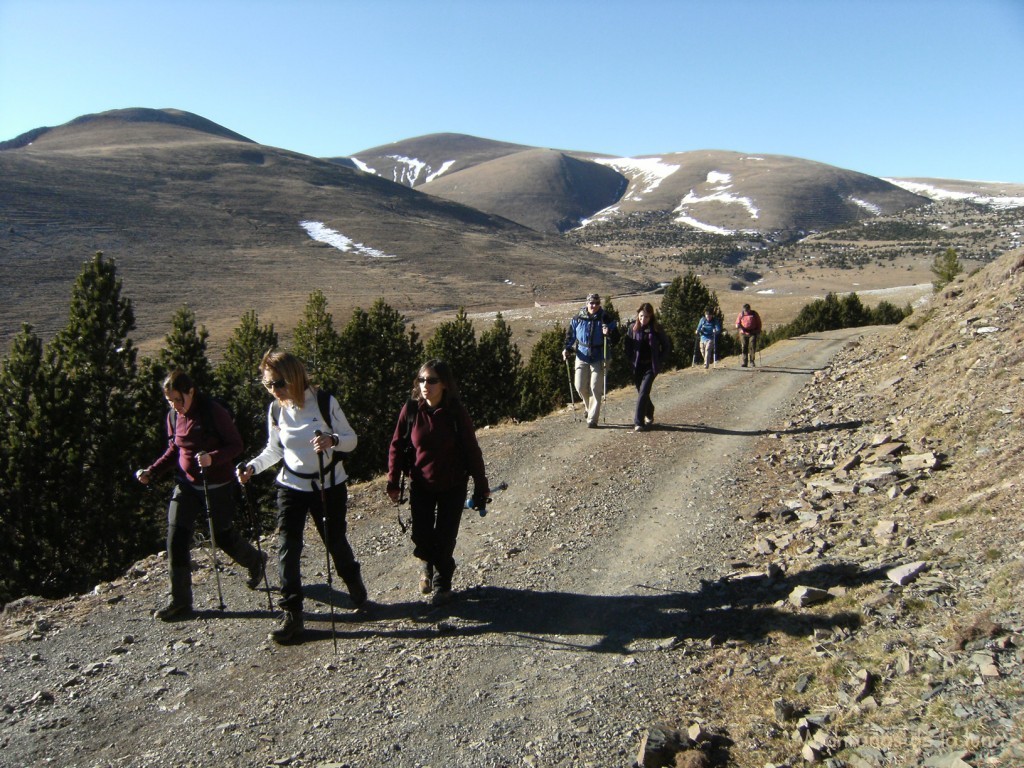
482	509
254	521
696	343
398	505
604	393
572	397
327	542
213	543
714	349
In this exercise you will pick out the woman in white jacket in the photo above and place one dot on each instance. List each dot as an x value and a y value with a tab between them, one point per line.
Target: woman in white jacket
304	425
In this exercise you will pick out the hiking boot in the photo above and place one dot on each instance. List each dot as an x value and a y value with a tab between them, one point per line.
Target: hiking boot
256	571
356	589
427	579
173	611
591	425
289	628
441	597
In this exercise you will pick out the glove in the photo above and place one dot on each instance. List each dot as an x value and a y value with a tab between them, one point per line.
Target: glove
481	497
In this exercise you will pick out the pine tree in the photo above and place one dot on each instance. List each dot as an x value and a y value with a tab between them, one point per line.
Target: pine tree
946	266
545	384
238	379
620	370
500	368
379	359
455	342
682	307
317	344
185	349
87	401
23	547
852	312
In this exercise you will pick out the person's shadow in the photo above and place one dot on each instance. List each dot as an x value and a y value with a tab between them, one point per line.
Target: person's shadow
741	609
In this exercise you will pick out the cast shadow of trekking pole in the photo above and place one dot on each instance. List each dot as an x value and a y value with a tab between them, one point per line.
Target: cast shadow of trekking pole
837	426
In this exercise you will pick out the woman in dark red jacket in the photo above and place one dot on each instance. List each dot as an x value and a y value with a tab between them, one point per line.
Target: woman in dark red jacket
435	445
202	445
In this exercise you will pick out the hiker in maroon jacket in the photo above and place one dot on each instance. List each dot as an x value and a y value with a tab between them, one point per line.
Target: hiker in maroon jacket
435	445
202	440
748	323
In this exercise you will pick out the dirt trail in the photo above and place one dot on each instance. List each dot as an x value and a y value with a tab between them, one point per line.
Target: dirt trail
559	650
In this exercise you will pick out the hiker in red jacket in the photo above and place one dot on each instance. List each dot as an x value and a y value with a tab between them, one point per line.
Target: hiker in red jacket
748	323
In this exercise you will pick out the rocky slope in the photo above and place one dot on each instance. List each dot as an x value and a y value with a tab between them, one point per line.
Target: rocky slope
813	560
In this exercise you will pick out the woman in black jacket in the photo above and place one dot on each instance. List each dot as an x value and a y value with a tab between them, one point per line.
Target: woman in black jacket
647	346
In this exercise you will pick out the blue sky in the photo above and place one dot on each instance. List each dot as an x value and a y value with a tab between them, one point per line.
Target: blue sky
886	87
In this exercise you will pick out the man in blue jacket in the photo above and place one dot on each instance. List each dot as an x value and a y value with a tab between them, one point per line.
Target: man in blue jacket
592	333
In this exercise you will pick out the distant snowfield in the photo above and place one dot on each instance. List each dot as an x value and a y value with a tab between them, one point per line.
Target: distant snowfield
938	193
324	234
645	174
408	169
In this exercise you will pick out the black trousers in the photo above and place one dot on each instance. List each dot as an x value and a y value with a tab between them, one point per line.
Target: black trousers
643	380
436	516
292	508
187	508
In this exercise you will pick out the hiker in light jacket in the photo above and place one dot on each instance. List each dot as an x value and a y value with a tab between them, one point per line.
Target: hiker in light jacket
707	332
592	333
647	345
293	419
202	445
435	445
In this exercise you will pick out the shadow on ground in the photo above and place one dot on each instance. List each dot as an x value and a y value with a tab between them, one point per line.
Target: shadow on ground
719	611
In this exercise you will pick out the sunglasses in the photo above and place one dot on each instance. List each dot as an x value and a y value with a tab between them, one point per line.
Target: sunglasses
427	380
276	384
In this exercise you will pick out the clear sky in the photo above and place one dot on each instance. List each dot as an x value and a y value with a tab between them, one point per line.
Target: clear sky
886	87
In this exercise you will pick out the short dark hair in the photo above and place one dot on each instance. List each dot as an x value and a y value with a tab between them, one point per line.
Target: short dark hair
178	381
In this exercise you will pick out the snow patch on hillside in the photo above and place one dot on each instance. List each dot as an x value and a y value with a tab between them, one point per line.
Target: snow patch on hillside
719	191
363	166
324	234
692	222
645	174
603	215
440	171
938	193
408	170
866	205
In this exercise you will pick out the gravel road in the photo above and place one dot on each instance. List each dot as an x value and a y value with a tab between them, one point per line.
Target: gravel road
575	592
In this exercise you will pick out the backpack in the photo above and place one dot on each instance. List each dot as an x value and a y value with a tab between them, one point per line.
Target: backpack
206	421
751	323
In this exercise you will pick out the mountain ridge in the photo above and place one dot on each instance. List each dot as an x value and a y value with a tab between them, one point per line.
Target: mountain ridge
195	213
